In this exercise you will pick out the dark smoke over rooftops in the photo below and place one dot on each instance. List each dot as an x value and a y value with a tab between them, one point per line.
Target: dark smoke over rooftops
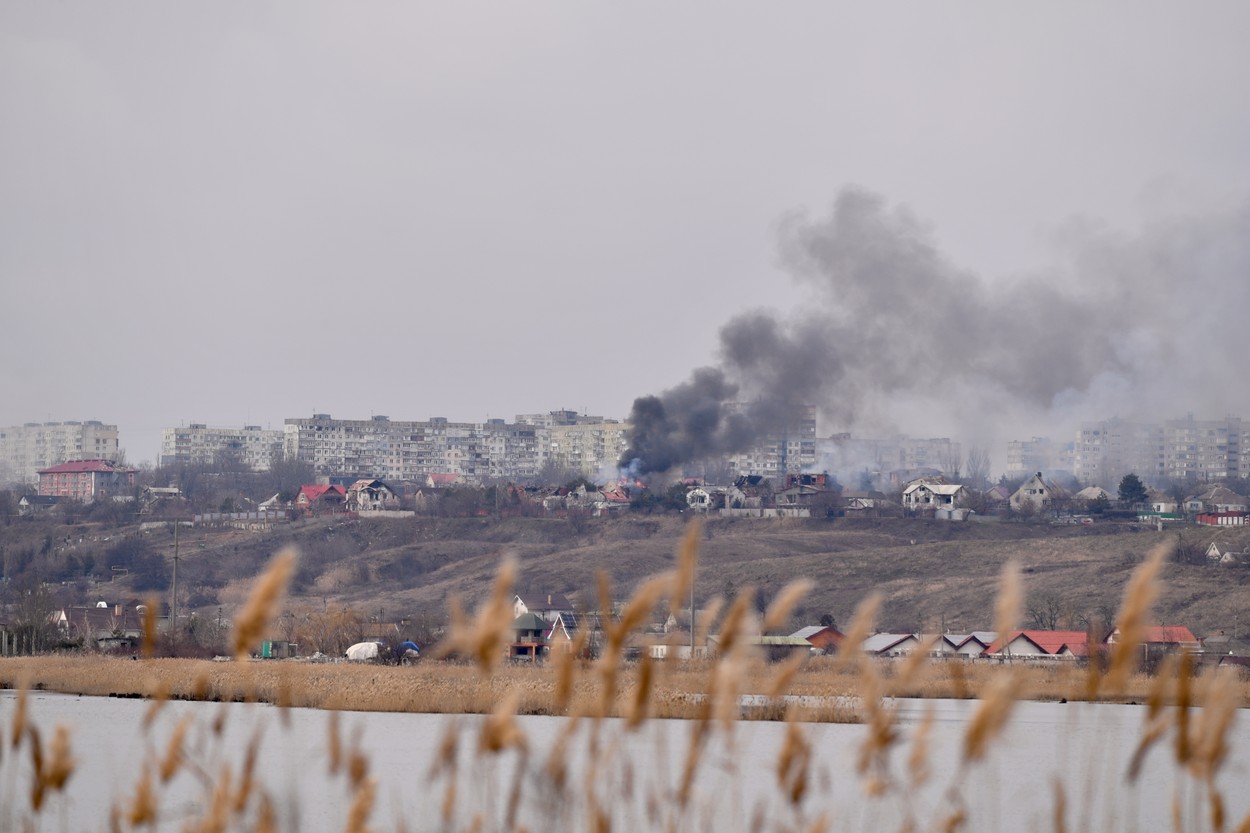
1123	327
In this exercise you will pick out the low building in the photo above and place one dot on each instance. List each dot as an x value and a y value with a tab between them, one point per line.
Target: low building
1163	639
890	644
823	638
547	606
1036	494
87	480
370	496
34	504
933	493
314	499
1040	644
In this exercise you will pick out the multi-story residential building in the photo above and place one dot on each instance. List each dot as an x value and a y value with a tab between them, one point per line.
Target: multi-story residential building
1202	449
86	480
1106	451
25	449
883	463
1027	456
1177	450
593	448
197	444
476	451
789	449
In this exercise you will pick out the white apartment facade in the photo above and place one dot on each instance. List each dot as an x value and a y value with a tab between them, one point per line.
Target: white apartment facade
198	444
476	451
1177	450
26	449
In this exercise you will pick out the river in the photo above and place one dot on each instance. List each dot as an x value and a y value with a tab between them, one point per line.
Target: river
633	774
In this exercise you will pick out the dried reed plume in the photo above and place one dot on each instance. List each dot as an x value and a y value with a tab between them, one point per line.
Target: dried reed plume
990	716
790	595
861	625
916	661
1139	596
362	807
918	759
484	638
794	763
247	782
784	674
500	730
149	626
143	808
172	762
642	693
19	713
1009	603
261	605
1210	741
687	560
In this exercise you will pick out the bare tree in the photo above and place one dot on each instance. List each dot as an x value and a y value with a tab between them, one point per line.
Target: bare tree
1045	611
948	459
978	467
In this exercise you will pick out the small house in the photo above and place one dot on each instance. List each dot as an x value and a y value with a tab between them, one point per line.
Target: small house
316	499
370	496
1036	494
890	644
822	638
1040	644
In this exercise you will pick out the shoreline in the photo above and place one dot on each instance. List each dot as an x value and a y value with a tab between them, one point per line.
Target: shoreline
818	692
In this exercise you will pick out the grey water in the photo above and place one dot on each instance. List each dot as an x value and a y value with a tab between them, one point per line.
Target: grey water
633	775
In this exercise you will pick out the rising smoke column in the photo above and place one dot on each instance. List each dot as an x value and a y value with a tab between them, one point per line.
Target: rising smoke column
890	320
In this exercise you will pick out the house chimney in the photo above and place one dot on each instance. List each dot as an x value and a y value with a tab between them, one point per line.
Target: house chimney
117	609
548	600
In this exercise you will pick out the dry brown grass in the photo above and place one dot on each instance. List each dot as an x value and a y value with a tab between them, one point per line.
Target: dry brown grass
1196	711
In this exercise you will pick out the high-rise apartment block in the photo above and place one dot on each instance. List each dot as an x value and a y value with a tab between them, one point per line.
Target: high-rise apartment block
591	445
477	451
197	444
1027	456
25	449
788	449
1178	450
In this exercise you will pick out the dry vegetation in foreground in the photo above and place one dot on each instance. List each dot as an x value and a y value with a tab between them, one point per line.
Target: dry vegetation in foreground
609	697
457	688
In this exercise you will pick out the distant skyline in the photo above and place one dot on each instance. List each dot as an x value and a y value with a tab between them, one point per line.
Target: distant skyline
241	213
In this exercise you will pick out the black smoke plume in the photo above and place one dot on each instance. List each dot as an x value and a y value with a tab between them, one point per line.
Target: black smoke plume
1121	326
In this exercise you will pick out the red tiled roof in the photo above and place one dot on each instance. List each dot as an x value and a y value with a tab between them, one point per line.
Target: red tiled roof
1051	642
75	466
314	492
1169	634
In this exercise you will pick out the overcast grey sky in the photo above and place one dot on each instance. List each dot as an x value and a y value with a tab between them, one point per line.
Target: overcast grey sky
243	212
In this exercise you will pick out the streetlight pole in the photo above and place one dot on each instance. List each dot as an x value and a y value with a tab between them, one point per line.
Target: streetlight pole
173	607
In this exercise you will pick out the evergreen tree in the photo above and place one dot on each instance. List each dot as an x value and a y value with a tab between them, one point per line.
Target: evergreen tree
1132	491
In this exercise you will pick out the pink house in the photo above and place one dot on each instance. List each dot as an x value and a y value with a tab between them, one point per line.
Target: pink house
86	480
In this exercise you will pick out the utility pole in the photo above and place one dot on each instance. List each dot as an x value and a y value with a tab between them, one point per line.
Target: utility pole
173	607
693	572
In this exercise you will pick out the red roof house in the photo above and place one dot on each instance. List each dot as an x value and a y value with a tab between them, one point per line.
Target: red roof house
320	498
1038	643
86	480
1164	637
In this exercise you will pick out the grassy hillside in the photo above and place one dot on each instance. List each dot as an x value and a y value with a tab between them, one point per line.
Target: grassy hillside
933	575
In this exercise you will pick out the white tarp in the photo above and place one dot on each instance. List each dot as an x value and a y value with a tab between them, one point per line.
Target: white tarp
363	651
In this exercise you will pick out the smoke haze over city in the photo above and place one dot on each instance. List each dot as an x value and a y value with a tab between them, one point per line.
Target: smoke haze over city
895	336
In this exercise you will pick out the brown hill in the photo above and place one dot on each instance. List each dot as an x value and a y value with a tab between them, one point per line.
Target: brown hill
933	575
